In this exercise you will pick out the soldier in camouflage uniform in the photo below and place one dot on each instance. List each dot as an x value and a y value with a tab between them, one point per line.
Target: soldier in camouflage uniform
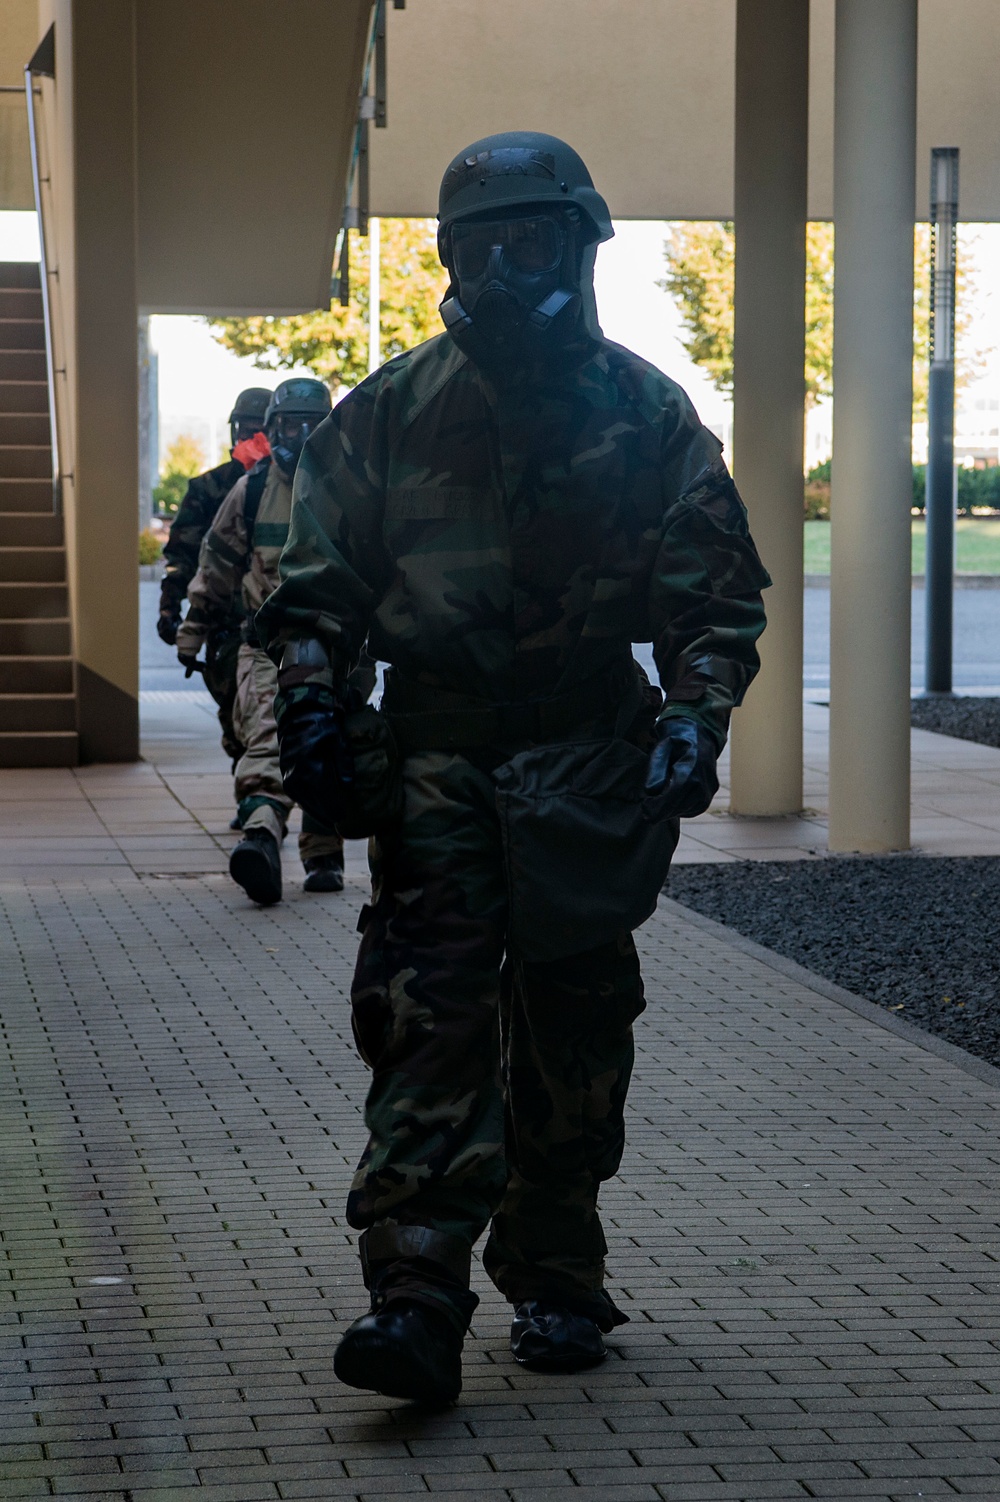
502	512
195	514
237	570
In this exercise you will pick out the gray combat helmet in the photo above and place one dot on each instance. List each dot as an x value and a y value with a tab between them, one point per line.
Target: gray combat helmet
251	405
520	168
296	409
298	397
247	416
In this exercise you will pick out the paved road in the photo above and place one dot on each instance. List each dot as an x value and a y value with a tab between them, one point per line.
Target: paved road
804	1232
976	643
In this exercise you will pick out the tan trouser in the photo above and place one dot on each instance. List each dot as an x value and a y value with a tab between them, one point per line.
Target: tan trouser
258	774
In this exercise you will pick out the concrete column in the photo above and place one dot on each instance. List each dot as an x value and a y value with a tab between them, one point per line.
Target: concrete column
104	373
874	168
772	85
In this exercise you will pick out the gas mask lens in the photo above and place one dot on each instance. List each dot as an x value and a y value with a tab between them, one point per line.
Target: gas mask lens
530	246
293	431
244	427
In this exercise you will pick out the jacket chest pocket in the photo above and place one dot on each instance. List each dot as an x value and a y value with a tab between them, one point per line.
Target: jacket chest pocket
421	518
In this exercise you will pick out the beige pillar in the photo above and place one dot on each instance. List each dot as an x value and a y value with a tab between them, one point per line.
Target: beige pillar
874	140
101	305
772	71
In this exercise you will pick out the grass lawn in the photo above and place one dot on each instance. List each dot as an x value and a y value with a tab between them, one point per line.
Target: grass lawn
977	545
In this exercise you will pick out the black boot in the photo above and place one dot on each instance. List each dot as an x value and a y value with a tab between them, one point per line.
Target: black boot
255	865
324	873
550	1338
403	1349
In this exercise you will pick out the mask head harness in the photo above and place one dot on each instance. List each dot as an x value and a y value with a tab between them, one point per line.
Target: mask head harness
518	215
247	416
296	409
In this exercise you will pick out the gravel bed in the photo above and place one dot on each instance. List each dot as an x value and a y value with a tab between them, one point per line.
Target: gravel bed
966	719
913	934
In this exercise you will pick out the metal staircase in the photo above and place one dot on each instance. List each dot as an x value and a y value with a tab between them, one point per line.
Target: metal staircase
37	702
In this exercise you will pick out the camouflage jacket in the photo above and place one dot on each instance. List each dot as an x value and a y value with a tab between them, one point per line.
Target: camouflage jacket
236	573
202	499
512	542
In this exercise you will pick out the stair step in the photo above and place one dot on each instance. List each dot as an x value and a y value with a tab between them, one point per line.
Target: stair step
36	675
24	602
38	711
30	529
35	637
20	274
55	748
21	302
22	364
24	396
24	461
20	565
23	429
22	334
26	494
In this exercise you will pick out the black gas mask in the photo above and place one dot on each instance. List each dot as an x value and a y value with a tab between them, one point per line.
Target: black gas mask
287	433
515	294
241	428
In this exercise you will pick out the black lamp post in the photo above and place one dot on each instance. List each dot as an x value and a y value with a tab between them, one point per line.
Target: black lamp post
941	480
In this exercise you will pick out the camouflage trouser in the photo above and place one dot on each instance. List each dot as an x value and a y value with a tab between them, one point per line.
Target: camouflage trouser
260	796
498	1086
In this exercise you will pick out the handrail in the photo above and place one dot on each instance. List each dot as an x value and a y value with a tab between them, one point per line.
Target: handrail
43	267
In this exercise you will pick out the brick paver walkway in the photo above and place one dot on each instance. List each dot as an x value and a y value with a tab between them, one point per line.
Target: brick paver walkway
805	1232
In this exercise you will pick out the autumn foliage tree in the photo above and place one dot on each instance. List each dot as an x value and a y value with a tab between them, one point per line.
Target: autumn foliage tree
700	260
184	458
333	341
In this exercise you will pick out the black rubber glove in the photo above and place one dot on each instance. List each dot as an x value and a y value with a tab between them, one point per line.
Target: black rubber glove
682	768
166	628
190	664
317	768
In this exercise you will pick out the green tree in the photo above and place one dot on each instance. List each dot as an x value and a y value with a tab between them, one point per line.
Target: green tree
333	342
184	458
700	259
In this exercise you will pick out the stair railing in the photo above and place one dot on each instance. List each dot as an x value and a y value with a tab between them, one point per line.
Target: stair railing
43	64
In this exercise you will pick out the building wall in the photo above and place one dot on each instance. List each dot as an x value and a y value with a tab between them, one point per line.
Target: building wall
245	125
644	90
89	126
18	39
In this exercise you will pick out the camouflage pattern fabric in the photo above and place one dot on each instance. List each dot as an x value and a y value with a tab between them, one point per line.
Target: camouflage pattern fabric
263	802
233	578
498	1090
506	542
511	541
195	514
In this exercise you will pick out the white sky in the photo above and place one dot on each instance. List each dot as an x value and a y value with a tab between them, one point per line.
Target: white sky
198	378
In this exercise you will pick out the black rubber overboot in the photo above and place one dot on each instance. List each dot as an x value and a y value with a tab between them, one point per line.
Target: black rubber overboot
551	1337
324	873
403	1349
255	865
410	1344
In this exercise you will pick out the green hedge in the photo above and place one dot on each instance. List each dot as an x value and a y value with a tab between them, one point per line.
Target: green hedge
976	487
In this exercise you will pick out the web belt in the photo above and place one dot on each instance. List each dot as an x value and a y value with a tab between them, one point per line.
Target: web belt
423	718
